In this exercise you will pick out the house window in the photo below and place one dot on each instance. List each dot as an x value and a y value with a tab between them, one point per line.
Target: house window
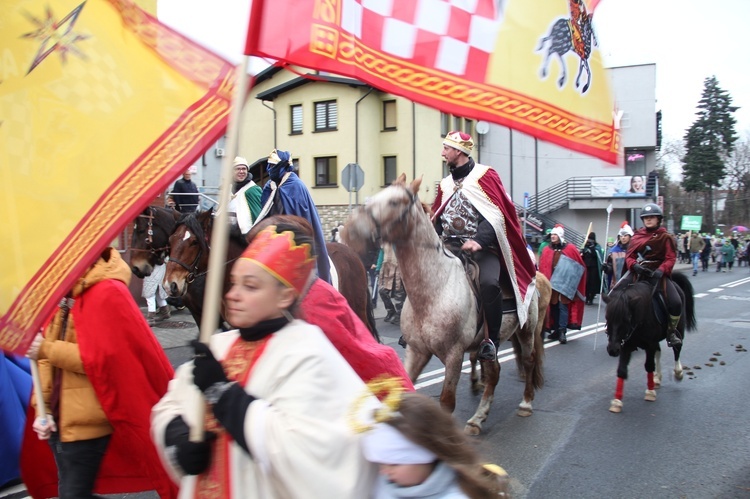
468	125
325	116
445	124
456	124
325	171
296	111
295	165
389	169
389	115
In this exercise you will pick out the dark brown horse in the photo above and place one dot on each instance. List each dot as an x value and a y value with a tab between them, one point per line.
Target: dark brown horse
632	323
150	247
150	243
440	315
188	262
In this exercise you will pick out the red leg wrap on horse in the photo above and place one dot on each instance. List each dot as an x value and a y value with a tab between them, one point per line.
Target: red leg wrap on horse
620	388
650	381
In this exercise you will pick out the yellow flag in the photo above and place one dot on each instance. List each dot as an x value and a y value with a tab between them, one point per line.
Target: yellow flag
101	107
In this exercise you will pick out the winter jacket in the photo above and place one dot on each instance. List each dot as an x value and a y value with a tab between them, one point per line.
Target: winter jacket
81	416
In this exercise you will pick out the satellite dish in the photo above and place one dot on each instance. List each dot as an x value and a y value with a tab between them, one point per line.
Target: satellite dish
482	127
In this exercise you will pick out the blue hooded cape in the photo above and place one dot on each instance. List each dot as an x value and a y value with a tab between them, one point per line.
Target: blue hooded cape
296	200
15	393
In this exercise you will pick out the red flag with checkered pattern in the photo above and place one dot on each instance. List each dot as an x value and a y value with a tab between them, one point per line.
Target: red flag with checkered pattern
531	66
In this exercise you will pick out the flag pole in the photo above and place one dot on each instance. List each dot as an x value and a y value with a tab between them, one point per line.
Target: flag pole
601	284
41	410
220	233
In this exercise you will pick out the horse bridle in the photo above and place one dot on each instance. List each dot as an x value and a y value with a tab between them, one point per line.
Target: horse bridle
401	217
192	269
150	237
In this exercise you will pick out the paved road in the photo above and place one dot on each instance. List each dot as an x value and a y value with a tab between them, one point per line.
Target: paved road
693	442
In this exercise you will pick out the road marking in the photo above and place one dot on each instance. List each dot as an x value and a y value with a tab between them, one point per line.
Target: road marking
700	295
715	290
504	356
737	283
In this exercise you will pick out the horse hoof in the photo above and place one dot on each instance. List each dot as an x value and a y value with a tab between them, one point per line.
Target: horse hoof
472	429
650	396
525	412
678	375
615	406
657	382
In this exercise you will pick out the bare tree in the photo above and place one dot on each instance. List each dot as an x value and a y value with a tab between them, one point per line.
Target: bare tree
737	183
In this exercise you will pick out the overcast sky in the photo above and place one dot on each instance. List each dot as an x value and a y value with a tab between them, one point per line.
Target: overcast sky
689	40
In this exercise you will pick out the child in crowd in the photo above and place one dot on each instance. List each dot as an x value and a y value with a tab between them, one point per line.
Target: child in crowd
423	454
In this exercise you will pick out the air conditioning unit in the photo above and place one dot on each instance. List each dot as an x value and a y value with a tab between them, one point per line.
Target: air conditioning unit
219	152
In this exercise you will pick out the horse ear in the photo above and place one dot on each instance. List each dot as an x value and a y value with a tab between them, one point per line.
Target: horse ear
401	179
416	183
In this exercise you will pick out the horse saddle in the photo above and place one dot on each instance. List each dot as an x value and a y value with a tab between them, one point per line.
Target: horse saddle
471	267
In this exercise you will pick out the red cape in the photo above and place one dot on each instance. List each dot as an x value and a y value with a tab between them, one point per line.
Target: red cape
327	309
523	265
575	307
130	374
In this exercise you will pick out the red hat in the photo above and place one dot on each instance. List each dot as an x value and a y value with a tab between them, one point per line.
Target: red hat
281	257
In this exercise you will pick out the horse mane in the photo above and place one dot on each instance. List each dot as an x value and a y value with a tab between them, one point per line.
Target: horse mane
194	223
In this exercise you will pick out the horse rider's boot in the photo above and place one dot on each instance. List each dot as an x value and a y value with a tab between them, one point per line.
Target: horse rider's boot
163	313
493	314
561	336
673	339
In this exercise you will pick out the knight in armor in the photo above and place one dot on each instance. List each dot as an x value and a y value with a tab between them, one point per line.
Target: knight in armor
614	266
472	206
245	202
651	255
561	262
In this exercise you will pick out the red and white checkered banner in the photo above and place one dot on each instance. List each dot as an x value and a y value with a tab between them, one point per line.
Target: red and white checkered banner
531	66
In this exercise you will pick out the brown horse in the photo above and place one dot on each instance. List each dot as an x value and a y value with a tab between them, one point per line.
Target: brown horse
188	262
440	315
150	243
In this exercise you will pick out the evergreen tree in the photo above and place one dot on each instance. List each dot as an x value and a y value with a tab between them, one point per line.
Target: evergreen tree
708	144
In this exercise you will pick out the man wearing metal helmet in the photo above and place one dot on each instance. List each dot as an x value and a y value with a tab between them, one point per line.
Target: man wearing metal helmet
651	254
472	206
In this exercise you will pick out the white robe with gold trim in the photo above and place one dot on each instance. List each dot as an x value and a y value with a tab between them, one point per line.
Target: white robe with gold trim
301	445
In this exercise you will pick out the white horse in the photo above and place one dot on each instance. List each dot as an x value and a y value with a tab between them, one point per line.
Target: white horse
440	315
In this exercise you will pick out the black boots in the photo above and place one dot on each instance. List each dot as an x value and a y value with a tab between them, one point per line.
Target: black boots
561	335
673	339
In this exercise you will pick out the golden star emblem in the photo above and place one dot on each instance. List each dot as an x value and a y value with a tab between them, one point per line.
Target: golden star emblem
55	36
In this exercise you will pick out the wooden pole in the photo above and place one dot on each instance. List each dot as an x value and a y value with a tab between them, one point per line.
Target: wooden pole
41	410
220	233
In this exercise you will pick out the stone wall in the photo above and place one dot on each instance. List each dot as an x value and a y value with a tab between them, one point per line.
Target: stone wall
332	216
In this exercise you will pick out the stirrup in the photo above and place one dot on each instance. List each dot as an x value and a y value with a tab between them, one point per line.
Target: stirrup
673	340
487	350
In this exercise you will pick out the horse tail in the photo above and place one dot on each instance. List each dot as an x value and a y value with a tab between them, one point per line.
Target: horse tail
683	282
537	355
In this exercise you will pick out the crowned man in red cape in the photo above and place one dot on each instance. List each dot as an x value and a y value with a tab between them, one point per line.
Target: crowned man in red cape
472	205
102	369
562	264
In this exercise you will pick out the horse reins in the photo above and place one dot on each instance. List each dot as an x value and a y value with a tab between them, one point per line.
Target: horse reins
192	269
